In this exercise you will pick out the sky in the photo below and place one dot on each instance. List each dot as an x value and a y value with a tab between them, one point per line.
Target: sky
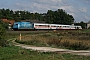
79	9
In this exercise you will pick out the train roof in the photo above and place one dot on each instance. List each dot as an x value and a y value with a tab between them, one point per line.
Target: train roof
50	24
41	23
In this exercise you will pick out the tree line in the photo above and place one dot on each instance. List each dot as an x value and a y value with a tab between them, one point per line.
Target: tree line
58	17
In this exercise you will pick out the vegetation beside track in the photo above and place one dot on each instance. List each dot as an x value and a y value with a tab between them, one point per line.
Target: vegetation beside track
3	41
17	53
77	40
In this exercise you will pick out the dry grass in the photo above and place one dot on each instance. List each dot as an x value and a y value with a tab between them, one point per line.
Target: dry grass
66	39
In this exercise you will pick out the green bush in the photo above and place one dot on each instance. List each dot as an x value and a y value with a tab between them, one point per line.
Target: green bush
54	41
3	42
65	44
32	42
75	46
79	46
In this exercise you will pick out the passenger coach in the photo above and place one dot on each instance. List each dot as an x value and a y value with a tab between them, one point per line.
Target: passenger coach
55	26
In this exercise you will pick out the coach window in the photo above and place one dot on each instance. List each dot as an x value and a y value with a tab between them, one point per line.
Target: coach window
40	25
77	27
16	24
36	25
52	26
66	26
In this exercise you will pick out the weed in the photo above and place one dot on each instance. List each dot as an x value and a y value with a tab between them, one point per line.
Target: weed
72	40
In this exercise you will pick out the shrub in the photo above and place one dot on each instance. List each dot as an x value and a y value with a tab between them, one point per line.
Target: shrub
75	45
79	46
71	40
65	44
3	42
54	41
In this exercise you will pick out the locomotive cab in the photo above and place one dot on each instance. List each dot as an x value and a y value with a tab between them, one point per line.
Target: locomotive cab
23	26
15	26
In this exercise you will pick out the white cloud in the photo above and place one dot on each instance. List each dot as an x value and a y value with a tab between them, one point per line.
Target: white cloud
68	8
40	8
50	2
78	8
87	18
41	5
73	14
83	10
44	5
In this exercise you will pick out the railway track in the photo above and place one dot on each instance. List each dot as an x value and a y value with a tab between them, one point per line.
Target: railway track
36	31
25	31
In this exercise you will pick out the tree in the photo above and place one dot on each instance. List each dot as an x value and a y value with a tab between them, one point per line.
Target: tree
49	16
3	42
59	17
83	25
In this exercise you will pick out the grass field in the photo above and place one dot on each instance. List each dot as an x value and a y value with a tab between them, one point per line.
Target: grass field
50	38
78	40
17	53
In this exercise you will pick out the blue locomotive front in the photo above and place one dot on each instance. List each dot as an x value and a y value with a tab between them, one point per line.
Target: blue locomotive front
23	25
